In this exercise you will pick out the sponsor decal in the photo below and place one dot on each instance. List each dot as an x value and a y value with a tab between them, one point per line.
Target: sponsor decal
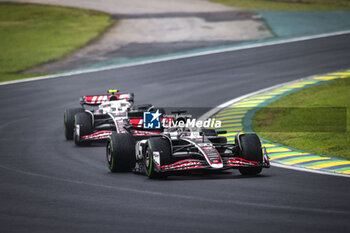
191	123
77	130
156	158
151	120
155	120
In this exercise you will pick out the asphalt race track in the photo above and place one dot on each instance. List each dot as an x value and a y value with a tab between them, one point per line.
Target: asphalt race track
49	185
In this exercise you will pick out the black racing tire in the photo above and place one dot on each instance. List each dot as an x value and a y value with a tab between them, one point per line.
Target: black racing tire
84	120
120	152
209	132
161	145
250	149
69	121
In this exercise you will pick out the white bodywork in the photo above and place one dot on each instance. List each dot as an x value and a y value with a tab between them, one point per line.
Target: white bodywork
115	107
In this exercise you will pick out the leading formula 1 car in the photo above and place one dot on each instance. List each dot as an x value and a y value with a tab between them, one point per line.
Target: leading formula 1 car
95	125
184	149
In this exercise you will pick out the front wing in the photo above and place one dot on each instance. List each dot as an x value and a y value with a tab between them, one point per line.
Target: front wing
196	164
104	134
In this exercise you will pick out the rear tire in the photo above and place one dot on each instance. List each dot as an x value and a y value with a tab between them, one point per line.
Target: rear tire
120	152
84	120
250	149
161	145
69	121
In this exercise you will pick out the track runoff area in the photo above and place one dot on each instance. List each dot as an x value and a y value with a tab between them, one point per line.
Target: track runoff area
236	115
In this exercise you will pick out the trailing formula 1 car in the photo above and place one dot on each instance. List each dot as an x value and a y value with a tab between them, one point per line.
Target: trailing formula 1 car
178	150
99	116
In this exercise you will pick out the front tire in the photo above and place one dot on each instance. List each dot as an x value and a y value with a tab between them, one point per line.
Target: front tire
69	121
120	152
250	149
83	123
156	145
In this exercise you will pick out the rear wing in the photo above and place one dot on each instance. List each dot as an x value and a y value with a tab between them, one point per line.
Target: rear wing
95	100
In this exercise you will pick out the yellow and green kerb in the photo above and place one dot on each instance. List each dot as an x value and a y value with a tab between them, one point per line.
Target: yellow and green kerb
238	117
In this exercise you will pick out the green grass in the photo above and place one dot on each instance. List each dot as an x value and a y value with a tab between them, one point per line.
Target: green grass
309	127
34	34
288	5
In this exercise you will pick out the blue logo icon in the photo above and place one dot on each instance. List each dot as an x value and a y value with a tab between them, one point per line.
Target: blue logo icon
151	120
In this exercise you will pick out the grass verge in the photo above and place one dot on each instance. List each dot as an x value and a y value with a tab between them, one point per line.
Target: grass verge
288	5
34	34
310	119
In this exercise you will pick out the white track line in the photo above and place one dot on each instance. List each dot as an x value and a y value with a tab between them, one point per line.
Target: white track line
181	56
230	102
